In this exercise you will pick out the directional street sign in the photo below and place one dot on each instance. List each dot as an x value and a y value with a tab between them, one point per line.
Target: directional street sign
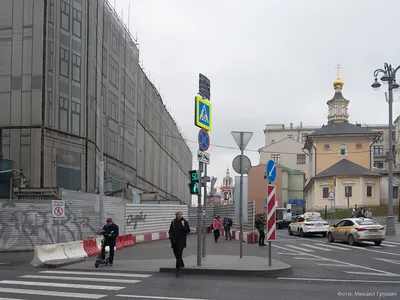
58	209
204	140
203	157
271	171
203	113
271	213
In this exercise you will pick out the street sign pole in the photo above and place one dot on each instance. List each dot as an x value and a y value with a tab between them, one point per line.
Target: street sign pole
241	195
204	233
199	217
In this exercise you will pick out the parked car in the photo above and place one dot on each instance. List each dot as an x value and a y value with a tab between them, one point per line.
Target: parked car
284	223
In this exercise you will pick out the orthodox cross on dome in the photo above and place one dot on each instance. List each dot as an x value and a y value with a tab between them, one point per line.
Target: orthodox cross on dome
338	67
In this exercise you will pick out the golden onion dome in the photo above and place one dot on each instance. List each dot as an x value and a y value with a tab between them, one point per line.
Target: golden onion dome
338	83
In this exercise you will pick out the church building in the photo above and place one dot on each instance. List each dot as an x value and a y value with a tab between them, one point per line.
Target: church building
341	160
227	188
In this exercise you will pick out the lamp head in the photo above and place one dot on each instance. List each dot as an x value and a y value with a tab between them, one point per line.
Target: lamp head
385	78
395	85
376	85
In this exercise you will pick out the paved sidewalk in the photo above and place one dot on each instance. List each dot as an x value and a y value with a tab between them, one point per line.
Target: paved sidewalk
150	257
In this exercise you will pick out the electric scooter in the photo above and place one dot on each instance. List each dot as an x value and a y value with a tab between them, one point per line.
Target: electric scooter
104	261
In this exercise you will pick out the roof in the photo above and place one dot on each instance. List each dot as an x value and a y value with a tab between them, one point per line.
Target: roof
339	96
346	167
342	128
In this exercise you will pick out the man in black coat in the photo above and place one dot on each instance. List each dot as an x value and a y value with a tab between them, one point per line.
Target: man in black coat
110	232
177	234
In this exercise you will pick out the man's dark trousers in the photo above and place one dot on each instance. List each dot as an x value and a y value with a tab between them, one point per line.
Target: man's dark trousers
178	252
111	244
261	238
227	233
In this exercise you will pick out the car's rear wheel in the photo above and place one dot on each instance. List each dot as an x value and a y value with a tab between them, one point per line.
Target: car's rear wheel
290	231
330	237
378	243
352	241
302	234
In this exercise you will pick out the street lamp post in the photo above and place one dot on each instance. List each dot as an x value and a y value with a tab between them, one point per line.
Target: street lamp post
389	77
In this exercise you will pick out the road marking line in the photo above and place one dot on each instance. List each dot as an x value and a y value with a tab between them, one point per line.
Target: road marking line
362	248
389	242
309	258
335	247
157	297
341	262
316	247
382	245
285	253
334	265
97	274
298	249
337	280
391	261
373	274
82	279
9	299
63	285
51	293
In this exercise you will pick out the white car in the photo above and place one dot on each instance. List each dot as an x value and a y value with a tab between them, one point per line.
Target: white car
356	230
309	223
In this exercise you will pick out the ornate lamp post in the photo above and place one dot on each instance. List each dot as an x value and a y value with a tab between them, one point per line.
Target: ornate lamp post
389	77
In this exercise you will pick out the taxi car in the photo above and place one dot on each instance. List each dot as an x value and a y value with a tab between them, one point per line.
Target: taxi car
355	230
309	223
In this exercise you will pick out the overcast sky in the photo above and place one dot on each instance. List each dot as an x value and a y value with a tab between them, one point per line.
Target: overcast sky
268	62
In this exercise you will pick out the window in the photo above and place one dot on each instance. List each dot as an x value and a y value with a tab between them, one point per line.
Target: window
128	119
341	223
64	62
378	150
343	150
378	164
50	109
395	192
104	63
51	12
327	147
76	22
348	191
276	158
325	192
301	159
359	146
65	12
63	118
51	56
369	191
75	117
104	98
114	39
76	67
273	141
112	143
114	72
113	105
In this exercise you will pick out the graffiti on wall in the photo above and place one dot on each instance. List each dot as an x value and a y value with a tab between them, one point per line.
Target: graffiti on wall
131	219
22	229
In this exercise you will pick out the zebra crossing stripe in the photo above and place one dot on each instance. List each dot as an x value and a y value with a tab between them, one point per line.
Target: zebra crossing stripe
112	274
62	285
129	281
51	293
315	247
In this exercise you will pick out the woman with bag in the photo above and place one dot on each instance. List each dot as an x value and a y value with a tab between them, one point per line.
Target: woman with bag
217	226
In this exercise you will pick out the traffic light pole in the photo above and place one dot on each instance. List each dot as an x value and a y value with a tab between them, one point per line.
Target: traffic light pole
199	217
204	234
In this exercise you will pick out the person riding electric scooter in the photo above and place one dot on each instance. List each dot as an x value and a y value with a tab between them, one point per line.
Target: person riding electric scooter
110	232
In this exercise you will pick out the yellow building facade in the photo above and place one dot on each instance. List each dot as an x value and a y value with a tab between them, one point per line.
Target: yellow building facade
341	160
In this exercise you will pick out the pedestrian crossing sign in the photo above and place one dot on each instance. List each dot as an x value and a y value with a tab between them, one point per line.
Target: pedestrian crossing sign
203	113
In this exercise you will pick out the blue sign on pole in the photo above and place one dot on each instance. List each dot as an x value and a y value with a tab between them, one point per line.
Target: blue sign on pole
204	140
271	171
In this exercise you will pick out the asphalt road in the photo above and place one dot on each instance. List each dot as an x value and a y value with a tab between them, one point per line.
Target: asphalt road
321	270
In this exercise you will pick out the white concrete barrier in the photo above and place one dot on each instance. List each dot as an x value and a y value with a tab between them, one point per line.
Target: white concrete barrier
74	250
47	253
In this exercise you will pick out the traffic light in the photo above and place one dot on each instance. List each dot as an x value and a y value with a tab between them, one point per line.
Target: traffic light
194	182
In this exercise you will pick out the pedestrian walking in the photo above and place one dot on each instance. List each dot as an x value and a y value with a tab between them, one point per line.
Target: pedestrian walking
360	213
110	232
217	225
227	227
177	234
260	225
